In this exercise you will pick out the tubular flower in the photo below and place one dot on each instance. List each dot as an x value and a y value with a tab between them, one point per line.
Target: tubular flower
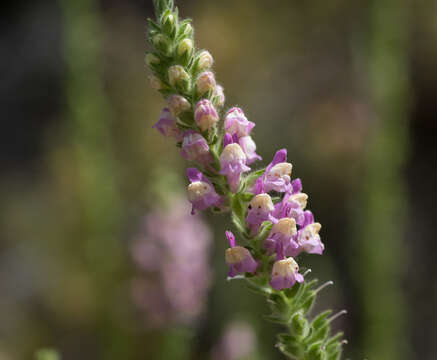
205	115
278	172
259	210
237	123
166	125
178	104
292	205
281	234
201	192
233	164
205	82
285	273
238	258
195	148
308	238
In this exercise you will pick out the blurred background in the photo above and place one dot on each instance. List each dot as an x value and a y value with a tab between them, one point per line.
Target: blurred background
98	258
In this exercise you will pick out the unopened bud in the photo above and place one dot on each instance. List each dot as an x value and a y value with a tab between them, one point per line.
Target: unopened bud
205	60
178	104
205	115
155	83
168	23
186	30
205	82
185	47
152	59
162	43
177	75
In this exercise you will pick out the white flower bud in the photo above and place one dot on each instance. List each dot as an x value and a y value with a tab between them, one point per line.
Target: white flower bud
205	60
185	46
177	74
205	82
178	104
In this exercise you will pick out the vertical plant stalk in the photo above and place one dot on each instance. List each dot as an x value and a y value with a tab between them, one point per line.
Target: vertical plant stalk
383	218
266	207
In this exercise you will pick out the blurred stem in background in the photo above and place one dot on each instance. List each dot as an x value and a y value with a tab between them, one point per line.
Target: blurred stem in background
382	224
98	200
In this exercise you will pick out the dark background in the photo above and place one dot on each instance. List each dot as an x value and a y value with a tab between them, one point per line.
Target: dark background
348	87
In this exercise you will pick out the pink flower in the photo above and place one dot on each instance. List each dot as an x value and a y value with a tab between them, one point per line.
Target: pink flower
285	271
238	258
237	123
201	192
205	82
233	164
195	148
166	125
205	115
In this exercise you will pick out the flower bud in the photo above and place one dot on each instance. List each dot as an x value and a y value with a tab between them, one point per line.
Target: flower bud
177	75
219	96
186	30
152	59
162	43
178	104
168	22
185	47
204	61
155	83
205	115
205	82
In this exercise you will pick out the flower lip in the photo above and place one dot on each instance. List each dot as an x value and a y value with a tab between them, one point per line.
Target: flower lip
232	152
261	202
300	198
280	170
197	190
285	226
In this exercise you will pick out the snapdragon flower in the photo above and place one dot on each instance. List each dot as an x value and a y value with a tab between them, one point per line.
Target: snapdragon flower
237	123
195	148
238	258
233	164
166	125
268	207
201	192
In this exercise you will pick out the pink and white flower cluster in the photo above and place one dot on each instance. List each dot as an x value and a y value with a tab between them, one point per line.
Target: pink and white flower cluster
223	154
